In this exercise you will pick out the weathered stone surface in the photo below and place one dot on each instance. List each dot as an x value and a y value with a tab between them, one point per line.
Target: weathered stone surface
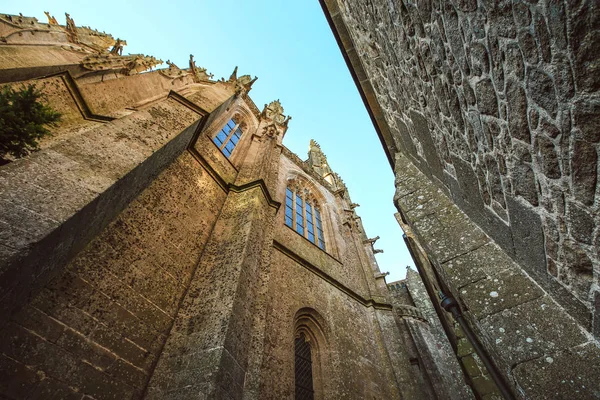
541	30
517	111
528	47
526	64
528	237
523	181
475	265
486	97
429	149
521	13
548	157
548	377
581	223
585	45
514	61
529	330
499	291
584	167
586	118
542	91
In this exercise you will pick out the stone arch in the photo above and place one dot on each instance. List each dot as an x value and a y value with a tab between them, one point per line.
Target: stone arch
240	114
296	180
299	180
312	325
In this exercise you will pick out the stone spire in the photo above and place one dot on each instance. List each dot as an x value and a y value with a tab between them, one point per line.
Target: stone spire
318	161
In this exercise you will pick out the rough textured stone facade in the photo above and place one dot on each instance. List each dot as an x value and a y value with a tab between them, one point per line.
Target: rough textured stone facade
139	261
488	112
437	369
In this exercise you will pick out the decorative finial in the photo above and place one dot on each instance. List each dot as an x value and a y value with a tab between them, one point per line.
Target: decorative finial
51	19
233	76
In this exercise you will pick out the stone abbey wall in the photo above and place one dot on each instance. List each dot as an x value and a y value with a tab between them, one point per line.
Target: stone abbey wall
138	261
487	112
497	102
99	327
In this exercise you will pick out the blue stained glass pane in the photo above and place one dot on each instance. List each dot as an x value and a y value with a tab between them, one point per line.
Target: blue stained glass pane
288	193
231	124
234	139
288	221
321	244
310	227
299	219
221	137
288	212
311	237
300	229
298	200
308	208
238	133
230	146
226	152
217	141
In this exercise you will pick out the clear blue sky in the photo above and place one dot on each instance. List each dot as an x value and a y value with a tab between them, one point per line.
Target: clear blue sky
290	47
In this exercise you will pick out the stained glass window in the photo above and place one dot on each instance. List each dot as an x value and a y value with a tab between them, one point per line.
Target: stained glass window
228	137
303	216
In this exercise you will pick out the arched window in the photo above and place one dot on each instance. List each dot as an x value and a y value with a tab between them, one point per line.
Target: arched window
229	136
302	214
303	369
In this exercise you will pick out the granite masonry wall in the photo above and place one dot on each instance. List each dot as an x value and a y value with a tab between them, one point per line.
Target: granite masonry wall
496	102
98	328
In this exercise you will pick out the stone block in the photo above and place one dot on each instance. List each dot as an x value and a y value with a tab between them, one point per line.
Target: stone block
122	347
531	330
499	291
584	166
574	371
40	323
85	349
471	366
128	373
16	380
484	385
99	385
52	389
528	236
487	260
430	150
581	223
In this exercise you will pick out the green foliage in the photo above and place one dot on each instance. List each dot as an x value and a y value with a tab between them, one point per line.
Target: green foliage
22	120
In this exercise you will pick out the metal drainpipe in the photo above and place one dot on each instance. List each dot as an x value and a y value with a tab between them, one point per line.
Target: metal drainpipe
451	305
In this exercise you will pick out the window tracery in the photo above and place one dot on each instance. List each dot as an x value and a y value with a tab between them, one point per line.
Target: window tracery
229	136
302	213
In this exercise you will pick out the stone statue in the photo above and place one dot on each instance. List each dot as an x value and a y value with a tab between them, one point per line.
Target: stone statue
117	49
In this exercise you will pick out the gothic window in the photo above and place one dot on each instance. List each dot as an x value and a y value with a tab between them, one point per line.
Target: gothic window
303	369
303	215
228	137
